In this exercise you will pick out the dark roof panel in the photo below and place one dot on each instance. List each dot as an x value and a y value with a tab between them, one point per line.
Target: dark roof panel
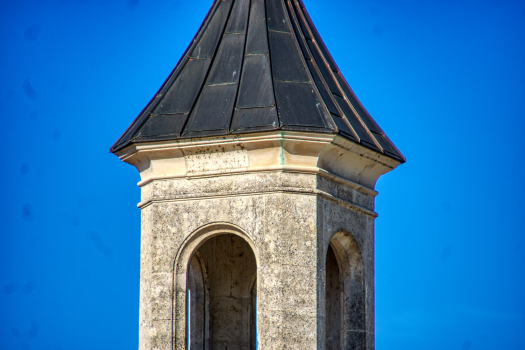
239	17
345	128
212	33
163	125
307	22
256	65
323	68
256	89
325	94
226	67
361	111
182	94
300	19
358	126
287	63
214	109
257	42
298	104
249	118
277	19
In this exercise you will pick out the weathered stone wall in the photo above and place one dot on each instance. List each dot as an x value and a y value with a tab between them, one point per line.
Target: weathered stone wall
357	265
287	218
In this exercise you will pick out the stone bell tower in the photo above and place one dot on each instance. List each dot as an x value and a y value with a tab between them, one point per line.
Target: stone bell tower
258	166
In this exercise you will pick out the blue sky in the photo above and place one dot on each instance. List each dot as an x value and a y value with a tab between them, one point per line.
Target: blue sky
444	79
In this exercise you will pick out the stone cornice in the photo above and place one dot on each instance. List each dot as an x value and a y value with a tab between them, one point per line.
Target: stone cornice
328	155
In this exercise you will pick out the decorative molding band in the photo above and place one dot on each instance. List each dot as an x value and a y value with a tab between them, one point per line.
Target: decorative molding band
312	192
278	168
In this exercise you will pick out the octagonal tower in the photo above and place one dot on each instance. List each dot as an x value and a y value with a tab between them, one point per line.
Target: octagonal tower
258	165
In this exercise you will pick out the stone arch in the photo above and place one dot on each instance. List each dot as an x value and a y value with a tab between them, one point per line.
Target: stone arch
345	294
197	300
191	265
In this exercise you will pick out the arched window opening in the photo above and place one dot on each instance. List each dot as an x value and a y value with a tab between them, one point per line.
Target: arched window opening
345	295
334	298
197	298
221	295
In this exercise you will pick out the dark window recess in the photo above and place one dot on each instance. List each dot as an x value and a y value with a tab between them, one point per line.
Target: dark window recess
322	90
257	42
277	20
238	17
226	67
325	70
214	109
209	40
286	58
163	124
256	89
360	130
298	104
343	127
255	118
182	94
367	119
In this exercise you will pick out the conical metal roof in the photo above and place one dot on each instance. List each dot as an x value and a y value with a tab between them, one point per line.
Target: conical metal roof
256	65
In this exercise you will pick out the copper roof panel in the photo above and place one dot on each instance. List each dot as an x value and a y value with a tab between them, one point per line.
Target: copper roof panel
361	131
182	94
326	95
344	127
214	109
361	111
163	125
300	40
256	89
257	41
255	118
388	147
306	21
304	27
287	64
212	33
325	70
226	67
239	17
276	17
298	104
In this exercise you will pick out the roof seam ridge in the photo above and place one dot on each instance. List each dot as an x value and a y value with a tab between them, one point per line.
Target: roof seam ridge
299	36
270	63
293	81
219	84
254	107
213	57
317	40
241	65
298	12
278	31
